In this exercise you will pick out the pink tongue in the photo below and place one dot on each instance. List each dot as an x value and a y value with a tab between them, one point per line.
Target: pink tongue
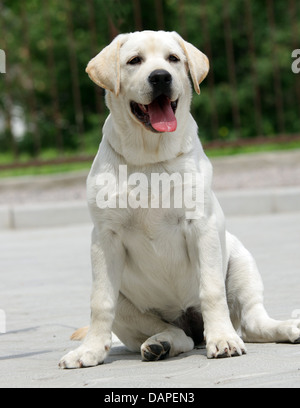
161	114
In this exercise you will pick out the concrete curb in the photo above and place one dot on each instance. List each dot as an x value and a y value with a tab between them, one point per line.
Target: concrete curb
5	218
44	215
254	202
234	203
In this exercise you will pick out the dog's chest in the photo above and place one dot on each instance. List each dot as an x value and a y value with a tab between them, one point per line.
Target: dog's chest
159	272
153	224
152	235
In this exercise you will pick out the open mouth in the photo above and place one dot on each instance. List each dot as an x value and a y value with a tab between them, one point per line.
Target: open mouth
158	116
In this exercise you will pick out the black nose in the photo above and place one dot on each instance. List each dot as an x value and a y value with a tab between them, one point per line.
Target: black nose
161	81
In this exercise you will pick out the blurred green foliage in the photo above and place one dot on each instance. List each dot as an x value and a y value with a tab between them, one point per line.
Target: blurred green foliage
46	41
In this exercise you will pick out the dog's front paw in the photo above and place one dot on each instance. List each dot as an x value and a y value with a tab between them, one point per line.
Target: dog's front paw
83	356
225	346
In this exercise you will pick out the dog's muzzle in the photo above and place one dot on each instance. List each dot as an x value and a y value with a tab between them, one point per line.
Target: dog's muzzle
159	115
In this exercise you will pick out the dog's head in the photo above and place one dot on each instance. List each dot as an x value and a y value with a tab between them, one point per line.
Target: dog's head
148	73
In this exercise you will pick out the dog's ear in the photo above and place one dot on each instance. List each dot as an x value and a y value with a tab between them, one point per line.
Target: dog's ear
104	69
198	62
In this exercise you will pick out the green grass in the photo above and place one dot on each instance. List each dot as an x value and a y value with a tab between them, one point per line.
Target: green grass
47	169
70	167
268	147
44	169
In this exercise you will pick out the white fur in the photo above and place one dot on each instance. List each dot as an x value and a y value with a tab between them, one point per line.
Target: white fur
149	265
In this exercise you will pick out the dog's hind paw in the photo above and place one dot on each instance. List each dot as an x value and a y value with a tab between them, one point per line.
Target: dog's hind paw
156	351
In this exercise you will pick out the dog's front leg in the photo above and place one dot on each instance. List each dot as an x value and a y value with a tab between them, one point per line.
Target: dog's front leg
108	257
221	338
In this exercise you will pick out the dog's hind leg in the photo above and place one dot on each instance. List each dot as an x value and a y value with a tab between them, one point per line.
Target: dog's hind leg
147	332
245	300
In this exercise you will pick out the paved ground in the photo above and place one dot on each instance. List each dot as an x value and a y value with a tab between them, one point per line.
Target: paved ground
45	287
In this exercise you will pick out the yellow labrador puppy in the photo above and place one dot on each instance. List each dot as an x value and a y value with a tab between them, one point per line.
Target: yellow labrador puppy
166	273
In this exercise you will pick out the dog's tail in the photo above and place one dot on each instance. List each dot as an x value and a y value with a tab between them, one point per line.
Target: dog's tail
80	334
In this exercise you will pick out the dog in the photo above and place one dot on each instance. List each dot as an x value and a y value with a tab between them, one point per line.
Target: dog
165	278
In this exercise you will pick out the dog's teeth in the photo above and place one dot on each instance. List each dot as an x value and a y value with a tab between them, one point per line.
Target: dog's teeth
143	108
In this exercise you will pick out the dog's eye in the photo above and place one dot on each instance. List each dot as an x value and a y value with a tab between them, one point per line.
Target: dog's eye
135	61
173	58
